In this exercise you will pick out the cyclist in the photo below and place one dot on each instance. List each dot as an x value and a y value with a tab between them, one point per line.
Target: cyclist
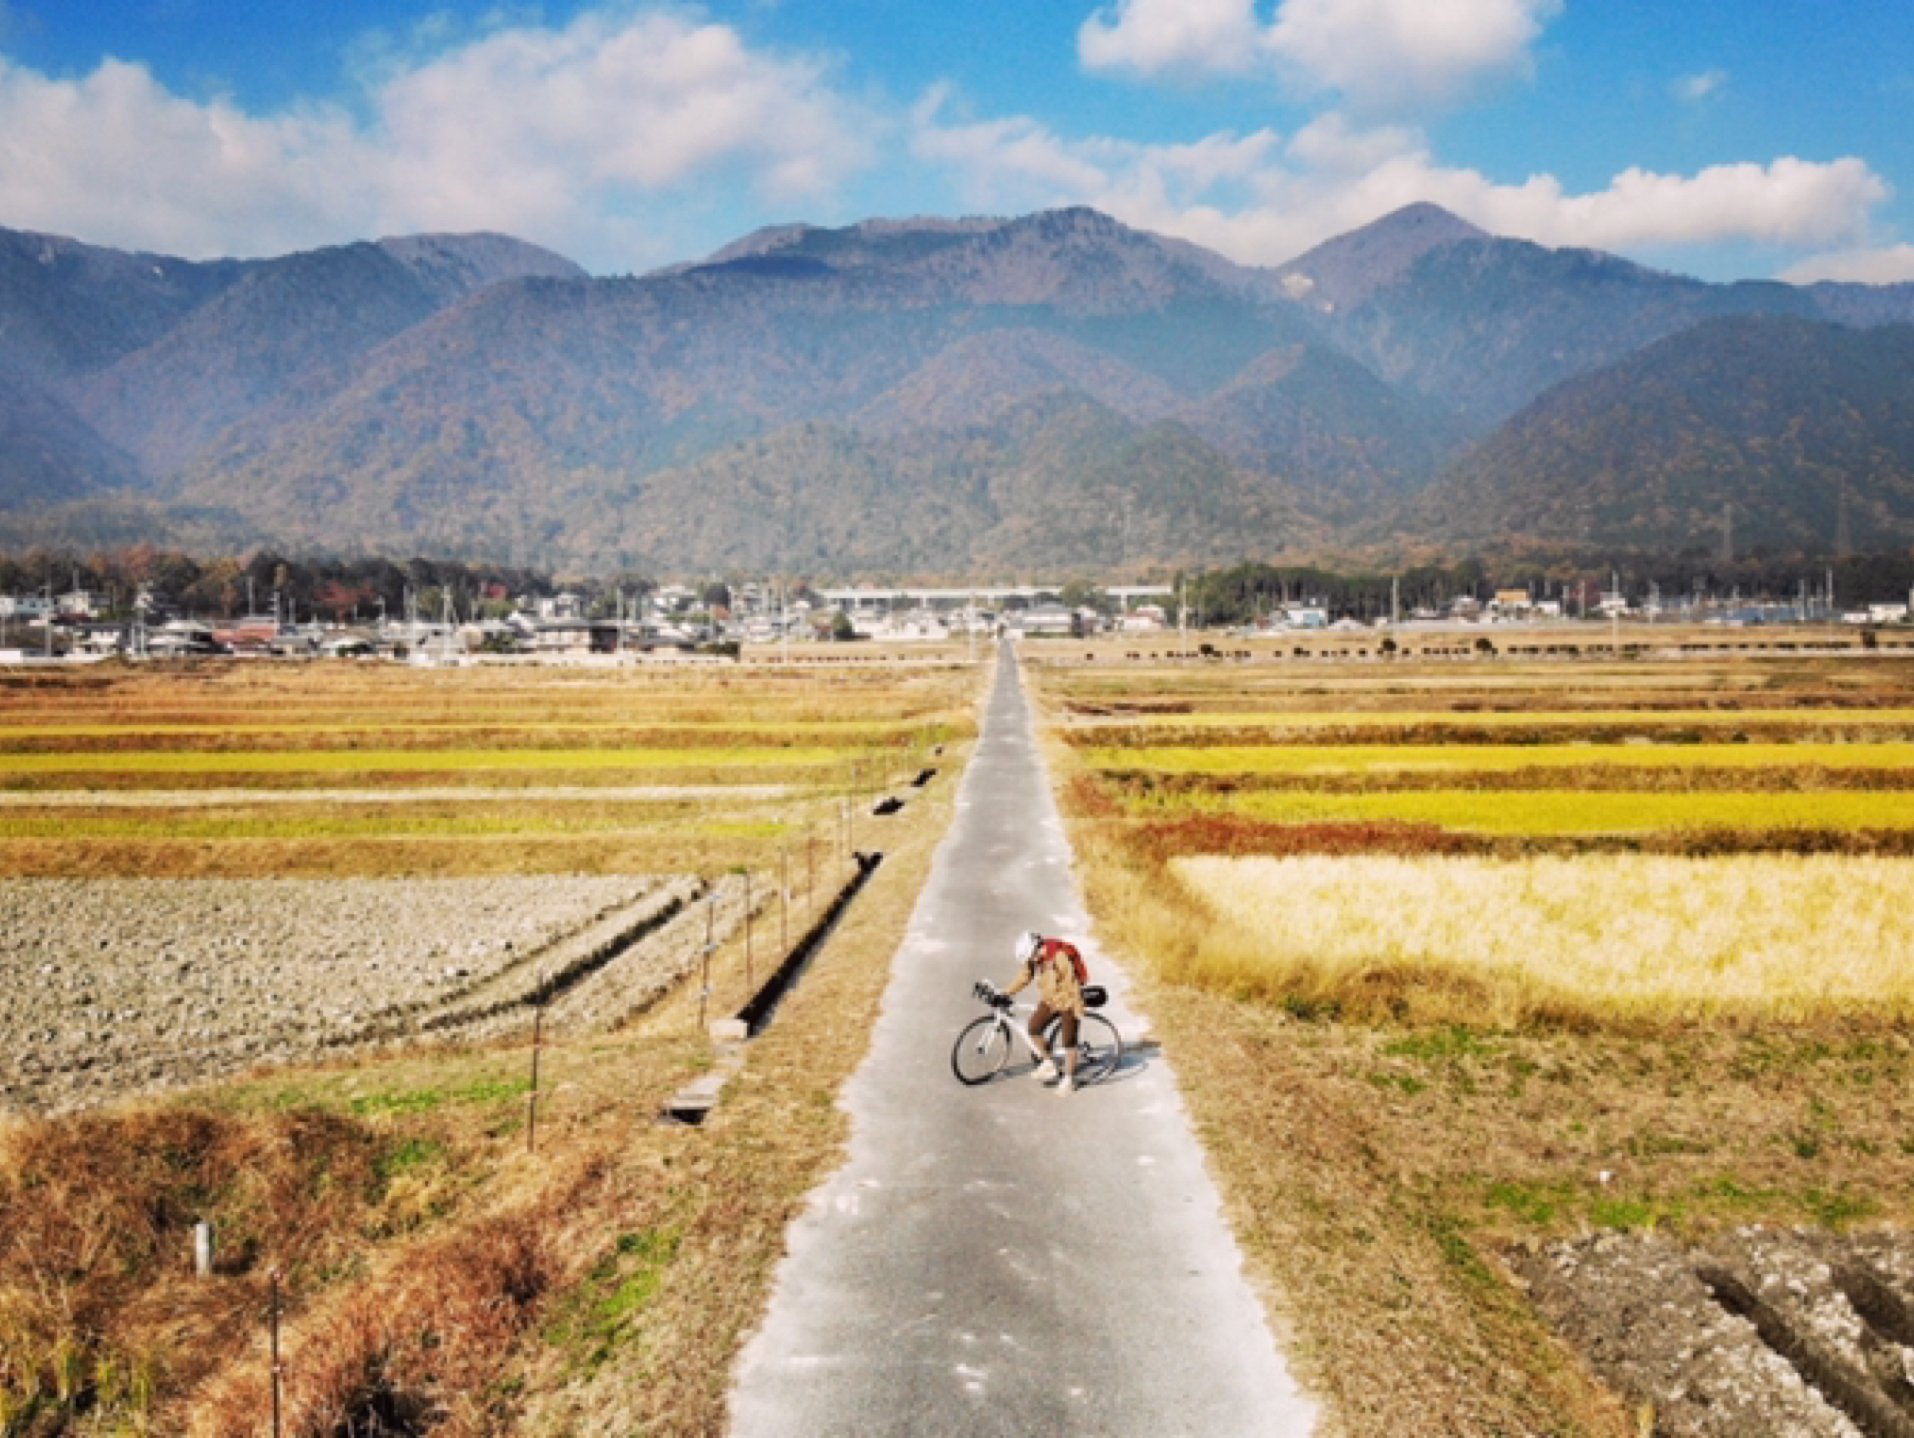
1058	969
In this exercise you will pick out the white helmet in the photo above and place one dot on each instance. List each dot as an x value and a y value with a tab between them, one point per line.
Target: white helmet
1028	942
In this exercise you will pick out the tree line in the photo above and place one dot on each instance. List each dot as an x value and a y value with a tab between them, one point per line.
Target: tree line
344	590
1246	593
265	582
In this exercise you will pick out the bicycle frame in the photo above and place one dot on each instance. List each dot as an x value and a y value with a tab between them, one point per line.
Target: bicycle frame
1016	1018
1097	1044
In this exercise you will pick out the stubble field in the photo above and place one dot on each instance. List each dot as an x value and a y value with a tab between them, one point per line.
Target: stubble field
311	912
1530	1006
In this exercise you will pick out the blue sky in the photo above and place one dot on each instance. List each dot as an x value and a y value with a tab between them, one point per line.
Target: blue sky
1723	138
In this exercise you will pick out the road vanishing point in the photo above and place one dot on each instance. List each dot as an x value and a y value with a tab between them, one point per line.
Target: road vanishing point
1005	1259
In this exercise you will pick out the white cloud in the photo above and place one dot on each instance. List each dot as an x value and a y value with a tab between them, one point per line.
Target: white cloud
116	158
1397	55
1700	88
551	134
1263	201
1152	36
1891	265
1381	55
1786	202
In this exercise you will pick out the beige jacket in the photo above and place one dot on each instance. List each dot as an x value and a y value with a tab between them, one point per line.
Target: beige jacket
1056	977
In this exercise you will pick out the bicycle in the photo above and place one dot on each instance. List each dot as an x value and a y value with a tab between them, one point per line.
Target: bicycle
983	1047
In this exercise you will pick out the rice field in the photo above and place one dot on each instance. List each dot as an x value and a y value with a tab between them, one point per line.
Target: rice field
1796	937
1390	759
1558	812
243	768
1730	831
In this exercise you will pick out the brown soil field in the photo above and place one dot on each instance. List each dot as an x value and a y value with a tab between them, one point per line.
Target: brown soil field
129	986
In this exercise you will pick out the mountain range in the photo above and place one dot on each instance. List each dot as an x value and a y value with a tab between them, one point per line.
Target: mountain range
1054	392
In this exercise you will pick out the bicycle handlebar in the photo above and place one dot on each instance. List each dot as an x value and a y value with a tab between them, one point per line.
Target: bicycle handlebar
988	993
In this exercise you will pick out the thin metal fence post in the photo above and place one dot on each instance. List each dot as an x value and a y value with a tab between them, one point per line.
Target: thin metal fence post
278	1372
704	975
531	1100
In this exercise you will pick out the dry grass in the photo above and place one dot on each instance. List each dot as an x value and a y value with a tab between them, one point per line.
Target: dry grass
100	1319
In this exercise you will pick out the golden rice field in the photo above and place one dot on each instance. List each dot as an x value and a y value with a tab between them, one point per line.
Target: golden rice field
1502	846
1384	759
1793	936
247	768
1647	719
1557	812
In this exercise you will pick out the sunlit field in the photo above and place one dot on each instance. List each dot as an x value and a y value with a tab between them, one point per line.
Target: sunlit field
1320	760
450	1256
1459	958
1636	937
1557	812
259	769
1517	771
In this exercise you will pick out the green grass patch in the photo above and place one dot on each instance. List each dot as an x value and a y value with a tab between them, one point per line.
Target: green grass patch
1443	1045
409	1155
596	1319
426	1100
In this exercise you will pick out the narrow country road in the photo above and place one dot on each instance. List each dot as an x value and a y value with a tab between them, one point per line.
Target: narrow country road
1003	1259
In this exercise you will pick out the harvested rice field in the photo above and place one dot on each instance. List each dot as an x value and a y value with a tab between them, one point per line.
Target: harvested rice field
1538	1014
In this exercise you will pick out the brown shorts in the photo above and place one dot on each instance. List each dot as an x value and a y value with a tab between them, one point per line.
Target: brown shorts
1040	1020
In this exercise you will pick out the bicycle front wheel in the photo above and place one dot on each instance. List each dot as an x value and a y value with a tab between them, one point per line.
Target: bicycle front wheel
1099	1047
982	1049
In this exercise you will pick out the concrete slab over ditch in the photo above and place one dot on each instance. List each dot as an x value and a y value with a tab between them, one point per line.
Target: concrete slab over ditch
1002	1259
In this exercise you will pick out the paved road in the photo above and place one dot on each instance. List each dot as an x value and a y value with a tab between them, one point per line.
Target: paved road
1005	1260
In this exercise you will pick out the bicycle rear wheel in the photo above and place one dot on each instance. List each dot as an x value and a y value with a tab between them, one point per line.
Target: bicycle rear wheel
981	1050
1099	1047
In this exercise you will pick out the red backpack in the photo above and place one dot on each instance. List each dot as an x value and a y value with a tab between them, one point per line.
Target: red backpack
1054	948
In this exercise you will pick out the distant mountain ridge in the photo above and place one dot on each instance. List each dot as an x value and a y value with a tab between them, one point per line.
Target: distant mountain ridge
939	396
1778	433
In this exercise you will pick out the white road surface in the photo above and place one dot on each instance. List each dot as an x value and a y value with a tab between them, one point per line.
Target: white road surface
1003	1259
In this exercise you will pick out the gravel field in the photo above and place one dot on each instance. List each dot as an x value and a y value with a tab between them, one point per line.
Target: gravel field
124	986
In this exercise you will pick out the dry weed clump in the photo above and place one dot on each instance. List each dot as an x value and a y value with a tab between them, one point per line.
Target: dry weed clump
96	1285
410	1351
